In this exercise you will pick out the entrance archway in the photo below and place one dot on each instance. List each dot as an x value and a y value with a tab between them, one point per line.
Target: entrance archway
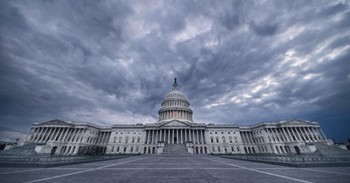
53	150
297	150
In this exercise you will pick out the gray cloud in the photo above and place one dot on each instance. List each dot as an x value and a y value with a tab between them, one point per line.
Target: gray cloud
113	62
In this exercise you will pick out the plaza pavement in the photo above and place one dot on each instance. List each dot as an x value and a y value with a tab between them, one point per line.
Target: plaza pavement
154	168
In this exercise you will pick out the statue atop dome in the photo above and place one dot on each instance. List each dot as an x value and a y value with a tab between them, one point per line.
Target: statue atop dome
175	84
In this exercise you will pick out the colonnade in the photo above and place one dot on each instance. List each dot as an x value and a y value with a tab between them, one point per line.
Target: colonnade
175	136
247	137
57	134
169	114
103	137
291	134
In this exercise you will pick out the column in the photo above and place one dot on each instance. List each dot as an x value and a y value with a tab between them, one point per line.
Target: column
177	136
41	134
244	137
153	136
161	135
77	136
149	137
52	129
301	133
247	136
190	134
172	138
185	135
47	130
157	134
64	135
285	134
277	138
311	137
32	137
36	131
73	135
69	134
307	137
168	135
290	131
203	136
55	132
315	133
30	134
288	134
324	136
181	136
281	138
251	137
98	138
297	132
197	138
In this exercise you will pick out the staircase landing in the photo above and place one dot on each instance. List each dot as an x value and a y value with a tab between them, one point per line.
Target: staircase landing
175	150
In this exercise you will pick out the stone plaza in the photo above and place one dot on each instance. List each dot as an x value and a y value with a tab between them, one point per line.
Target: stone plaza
160	168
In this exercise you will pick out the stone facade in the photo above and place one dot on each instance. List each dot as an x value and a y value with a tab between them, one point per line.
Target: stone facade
176	126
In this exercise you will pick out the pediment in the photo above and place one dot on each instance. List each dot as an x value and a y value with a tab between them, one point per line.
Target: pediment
175	123
55	122
296	122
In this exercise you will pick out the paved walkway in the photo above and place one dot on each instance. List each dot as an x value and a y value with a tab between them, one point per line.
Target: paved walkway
175	169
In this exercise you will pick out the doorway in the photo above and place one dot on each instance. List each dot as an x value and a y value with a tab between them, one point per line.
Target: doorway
53	150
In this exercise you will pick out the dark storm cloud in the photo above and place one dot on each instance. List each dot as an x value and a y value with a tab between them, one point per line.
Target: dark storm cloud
265	29
113	61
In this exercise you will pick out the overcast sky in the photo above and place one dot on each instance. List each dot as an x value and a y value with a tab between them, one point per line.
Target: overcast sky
112	62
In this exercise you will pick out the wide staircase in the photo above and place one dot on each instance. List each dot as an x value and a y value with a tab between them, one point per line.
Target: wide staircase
175	150
330	150
25	150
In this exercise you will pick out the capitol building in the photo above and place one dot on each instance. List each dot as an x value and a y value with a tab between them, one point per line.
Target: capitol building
175	129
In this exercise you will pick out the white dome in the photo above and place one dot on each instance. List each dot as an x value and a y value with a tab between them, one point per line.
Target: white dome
175	106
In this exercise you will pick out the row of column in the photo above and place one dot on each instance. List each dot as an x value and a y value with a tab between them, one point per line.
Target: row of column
103	137
247	137
175	136
60	134
175	114
290	134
